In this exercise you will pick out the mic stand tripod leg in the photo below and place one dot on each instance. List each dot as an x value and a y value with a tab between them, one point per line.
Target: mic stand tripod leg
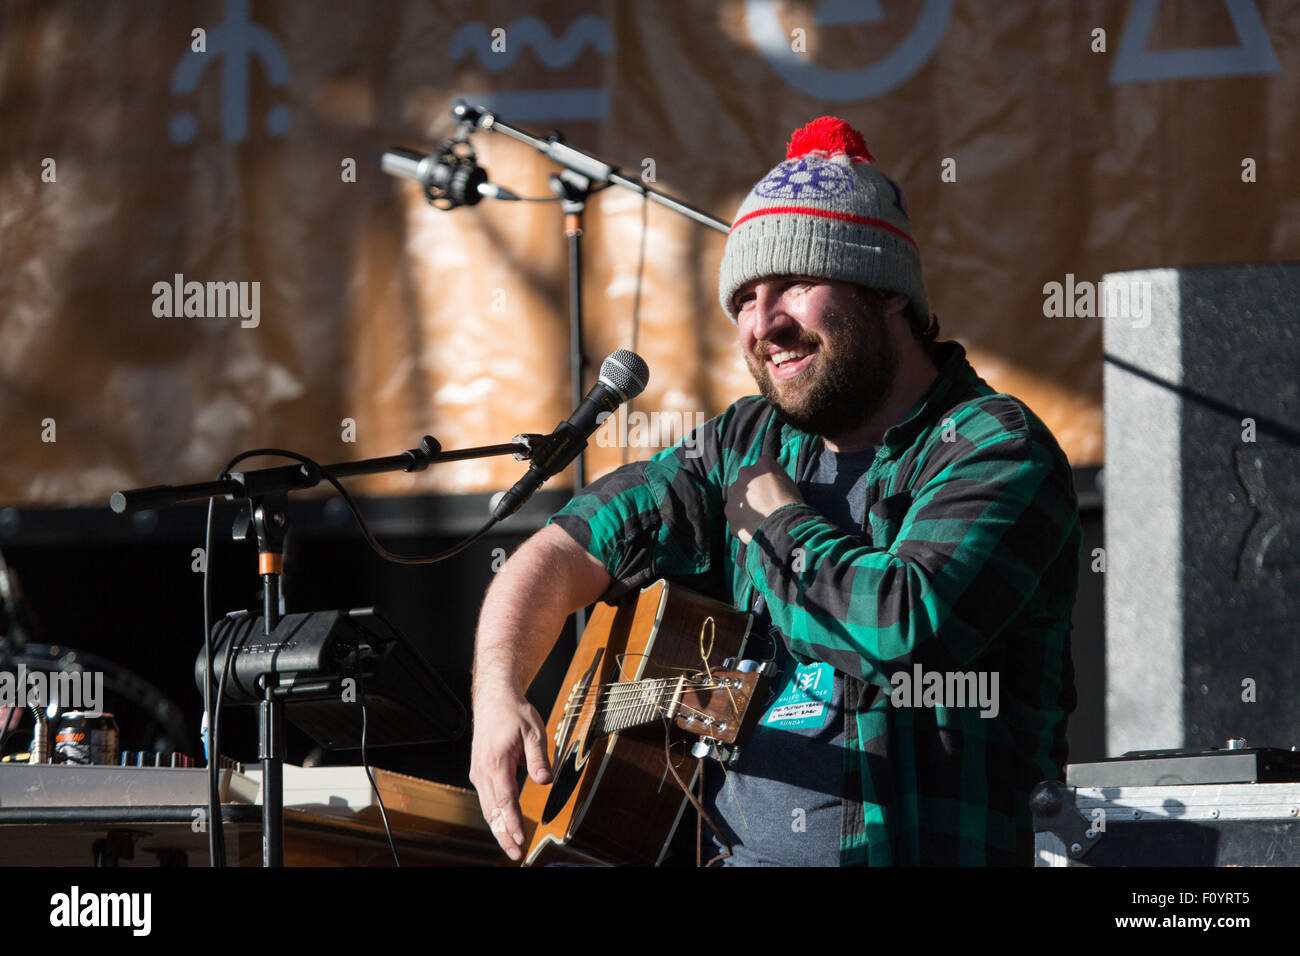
270	747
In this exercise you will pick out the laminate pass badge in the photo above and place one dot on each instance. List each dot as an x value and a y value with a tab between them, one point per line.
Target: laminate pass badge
808	689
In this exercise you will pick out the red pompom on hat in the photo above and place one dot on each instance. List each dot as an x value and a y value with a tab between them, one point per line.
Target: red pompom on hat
829	135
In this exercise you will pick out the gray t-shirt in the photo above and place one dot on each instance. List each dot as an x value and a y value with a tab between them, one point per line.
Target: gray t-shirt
780	804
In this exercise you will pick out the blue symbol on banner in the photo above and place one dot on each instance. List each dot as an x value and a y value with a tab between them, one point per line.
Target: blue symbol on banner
473	40
236	42
772	39
795	177
1252	56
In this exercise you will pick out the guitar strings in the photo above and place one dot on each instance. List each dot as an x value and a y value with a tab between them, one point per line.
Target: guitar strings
637	688
631	702
626	692
629	698
641	695
635	709
704	656
620	659
628	706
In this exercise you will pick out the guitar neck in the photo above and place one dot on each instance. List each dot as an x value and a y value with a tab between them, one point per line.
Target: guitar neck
632	703
714	704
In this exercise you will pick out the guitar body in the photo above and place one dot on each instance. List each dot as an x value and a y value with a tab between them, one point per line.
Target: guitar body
612	798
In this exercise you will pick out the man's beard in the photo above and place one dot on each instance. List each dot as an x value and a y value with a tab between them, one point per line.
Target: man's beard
845	385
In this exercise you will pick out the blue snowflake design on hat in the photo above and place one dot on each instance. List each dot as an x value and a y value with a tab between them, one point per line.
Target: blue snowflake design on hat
808	177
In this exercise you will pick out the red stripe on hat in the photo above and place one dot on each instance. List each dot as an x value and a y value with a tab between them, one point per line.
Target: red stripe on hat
822	154
825	214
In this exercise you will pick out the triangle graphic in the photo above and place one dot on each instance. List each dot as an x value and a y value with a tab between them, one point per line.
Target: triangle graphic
1252	56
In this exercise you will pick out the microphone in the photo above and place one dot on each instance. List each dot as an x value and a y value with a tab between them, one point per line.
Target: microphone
623	376
446	174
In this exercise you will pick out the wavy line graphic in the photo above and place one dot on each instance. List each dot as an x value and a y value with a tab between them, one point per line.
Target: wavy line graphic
475	39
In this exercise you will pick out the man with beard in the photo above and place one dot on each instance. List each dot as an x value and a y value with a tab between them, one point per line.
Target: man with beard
887	517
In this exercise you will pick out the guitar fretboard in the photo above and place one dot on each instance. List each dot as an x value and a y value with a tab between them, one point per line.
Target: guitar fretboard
631	703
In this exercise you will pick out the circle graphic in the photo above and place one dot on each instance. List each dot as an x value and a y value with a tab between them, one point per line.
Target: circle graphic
763	22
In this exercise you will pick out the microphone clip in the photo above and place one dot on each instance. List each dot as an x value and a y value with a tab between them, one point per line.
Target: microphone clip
457	174
544	448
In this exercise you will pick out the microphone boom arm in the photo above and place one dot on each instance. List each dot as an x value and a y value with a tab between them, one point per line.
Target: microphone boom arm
584	164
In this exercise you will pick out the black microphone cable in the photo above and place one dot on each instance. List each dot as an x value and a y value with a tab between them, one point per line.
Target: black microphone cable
365	761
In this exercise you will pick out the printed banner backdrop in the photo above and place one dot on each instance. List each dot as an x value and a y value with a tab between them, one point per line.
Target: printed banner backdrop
148	145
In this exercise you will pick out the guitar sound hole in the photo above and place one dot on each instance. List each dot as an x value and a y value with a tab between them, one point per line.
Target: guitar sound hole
567	775
567	770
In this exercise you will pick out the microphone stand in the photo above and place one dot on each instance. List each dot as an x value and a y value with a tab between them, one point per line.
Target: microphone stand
267	491
573	186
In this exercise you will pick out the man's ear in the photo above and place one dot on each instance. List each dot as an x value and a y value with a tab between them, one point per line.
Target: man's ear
897	304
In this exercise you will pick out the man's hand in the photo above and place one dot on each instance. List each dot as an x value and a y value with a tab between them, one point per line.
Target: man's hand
759	489
548	578
507	731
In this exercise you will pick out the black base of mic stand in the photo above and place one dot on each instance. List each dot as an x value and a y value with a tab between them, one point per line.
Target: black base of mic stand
270	522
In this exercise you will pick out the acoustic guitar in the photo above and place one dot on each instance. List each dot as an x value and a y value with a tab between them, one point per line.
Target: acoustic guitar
658	677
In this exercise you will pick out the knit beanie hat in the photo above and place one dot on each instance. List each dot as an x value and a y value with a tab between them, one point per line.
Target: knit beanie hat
828	213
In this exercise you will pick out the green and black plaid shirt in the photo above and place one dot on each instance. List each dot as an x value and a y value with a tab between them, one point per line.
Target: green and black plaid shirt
970	563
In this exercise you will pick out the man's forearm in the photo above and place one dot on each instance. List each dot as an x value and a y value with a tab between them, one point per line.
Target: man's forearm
545	581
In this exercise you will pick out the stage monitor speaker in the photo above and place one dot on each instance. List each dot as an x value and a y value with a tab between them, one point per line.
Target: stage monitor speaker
1202	506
